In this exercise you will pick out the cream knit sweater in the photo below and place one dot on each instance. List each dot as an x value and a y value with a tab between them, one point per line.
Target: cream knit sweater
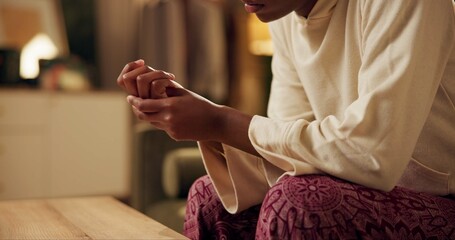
363	90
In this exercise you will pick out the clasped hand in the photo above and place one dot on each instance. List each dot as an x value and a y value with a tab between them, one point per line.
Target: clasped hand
156	98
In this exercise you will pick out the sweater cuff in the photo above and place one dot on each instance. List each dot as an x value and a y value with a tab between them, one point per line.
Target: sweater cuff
234	175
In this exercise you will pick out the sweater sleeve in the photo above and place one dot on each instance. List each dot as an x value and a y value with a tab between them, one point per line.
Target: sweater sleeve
405	47
286	83
238	177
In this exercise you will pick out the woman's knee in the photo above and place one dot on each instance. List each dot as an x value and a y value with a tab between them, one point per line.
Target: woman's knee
202	201
206	217
201	188
309	193
306	205
201	194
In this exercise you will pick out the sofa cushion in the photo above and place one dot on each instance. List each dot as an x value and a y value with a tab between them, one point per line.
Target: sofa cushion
181	168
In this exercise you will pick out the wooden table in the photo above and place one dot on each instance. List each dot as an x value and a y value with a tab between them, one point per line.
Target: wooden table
78	218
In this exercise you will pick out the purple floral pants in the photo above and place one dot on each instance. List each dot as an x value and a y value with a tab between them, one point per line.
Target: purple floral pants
321	207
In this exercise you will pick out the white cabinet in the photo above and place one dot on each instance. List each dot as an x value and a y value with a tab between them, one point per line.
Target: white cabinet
64	144
22	166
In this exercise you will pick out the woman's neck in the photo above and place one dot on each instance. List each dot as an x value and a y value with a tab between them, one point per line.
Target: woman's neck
305	10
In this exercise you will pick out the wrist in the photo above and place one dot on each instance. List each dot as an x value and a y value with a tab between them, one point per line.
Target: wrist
220	123
231	128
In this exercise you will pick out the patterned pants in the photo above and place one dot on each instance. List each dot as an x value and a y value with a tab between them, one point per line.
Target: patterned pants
321	207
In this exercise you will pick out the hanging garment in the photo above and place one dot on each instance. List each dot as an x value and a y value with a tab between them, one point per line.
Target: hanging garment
162	37
207	65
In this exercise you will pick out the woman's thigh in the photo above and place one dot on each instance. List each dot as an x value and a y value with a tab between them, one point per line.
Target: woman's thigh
324	207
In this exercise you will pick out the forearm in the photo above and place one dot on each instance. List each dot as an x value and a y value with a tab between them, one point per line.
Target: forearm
185	115
231	128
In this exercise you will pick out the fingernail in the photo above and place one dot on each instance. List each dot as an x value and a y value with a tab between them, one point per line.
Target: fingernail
139	61
171	75
129	99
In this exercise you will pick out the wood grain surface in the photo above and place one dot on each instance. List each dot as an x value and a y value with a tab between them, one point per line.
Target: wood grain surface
78	218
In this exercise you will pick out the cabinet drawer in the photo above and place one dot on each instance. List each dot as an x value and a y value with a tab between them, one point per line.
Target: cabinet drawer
23	107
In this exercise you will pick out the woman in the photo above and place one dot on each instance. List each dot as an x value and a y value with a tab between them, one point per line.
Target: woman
359	139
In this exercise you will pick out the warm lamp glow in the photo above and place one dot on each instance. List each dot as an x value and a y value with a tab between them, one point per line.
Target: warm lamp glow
39	47
260	42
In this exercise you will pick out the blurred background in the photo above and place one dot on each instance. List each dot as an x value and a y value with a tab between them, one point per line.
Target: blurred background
65	127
